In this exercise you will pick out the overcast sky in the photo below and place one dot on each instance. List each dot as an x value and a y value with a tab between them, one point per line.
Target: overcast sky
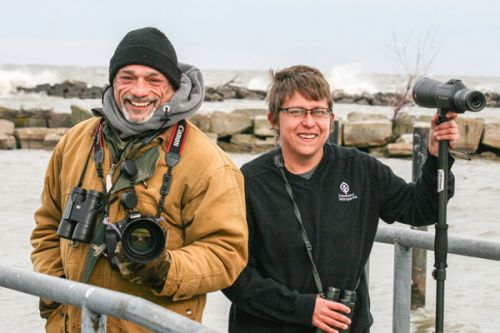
259	34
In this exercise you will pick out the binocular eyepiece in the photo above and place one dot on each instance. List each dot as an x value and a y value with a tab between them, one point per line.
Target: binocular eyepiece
450	96
346	297
80	215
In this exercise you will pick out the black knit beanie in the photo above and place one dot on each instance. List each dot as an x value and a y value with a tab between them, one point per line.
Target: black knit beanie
149	47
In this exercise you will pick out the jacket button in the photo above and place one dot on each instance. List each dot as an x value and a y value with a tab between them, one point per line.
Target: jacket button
189	312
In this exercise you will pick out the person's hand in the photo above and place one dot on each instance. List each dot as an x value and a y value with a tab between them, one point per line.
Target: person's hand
328	315
445	131
153	273
47	307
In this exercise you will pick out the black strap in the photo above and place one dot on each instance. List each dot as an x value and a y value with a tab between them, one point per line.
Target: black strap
172	158
96	247
84	171
279	164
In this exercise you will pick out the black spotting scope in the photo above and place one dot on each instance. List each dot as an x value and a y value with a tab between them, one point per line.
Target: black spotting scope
450	96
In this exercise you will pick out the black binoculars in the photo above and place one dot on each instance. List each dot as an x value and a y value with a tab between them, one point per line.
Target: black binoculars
346	297
80	215
449	96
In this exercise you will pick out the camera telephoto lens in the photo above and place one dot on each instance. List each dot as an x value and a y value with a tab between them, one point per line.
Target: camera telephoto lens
143	240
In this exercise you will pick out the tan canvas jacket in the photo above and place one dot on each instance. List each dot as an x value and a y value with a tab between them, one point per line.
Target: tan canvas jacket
204	210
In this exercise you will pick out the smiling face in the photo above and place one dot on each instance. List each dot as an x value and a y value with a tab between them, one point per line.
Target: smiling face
302	139
139	90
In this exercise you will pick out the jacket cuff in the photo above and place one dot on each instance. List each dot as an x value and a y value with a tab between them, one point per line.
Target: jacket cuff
431	163
304	308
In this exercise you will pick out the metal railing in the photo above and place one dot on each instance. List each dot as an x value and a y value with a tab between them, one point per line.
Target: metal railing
406	239
97	302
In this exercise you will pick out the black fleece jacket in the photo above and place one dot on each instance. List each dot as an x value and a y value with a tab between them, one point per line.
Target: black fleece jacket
341	205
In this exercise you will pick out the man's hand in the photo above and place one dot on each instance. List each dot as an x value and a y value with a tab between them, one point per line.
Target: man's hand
445	131
153	273
328	317
47	307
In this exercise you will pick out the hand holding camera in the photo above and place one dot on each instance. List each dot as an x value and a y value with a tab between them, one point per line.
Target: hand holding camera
152	273
138	249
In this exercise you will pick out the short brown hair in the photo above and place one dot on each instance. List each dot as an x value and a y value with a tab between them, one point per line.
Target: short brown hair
306	80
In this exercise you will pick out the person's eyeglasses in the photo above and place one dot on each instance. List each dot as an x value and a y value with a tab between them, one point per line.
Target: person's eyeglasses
301	112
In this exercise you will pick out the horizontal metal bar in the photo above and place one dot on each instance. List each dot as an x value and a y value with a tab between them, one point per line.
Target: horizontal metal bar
99	300
425	240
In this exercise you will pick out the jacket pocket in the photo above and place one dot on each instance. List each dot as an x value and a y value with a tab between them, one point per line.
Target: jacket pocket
56	322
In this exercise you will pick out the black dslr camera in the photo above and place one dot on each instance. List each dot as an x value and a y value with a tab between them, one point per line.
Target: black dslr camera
80	215
452	95
346	297
142	238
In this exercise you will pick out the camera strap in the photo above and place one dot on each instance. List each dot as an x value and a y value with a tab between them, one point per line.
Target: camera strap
278	161
172	157
93	147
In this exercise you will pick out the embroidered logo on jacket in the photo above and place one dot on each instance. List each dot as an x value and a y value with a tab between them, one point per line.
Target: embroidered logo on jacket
345	195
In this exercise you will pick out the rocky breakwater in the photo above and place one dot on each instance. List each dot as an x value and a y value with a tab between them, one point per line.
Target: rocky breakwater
77	89
248	130
36	128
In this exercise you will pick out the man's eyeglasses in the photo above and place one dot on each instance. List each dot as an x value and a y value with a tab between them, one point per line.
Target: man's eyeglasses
301	112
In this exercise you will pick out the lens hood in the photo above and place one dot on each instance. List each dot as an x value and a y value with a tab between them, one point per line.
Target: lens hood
143	240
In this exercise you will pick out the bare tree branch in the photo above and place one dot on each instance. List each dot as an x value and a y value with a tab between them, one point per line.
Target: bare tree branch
413	63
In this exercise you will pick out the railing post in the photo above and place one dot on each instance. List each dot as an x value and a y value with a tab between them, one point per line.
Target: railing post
93	322
419	257
402	289
336	133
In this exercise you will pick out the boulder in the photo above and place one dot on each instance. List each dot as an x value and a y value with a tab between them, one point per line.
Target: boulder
225	124
402	147
263	145
245	142
38	137
405	122
79	114
251	112
489	155
367	133
262	127
56	120
201	121
6	127
52	138
212	136
471	130
355	116
26	117
491	137
7	141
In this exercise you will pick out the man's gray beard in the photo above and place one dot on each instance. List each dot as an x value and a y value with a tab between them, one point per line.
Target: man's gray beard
127	116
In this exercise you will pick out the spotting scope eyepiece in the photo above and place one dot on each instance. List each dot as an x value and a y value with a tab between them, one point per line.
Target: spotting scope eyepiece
449	96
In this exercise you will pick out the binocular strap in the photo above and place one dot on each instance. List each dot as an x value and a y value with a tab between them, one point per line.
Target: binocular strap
96	249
